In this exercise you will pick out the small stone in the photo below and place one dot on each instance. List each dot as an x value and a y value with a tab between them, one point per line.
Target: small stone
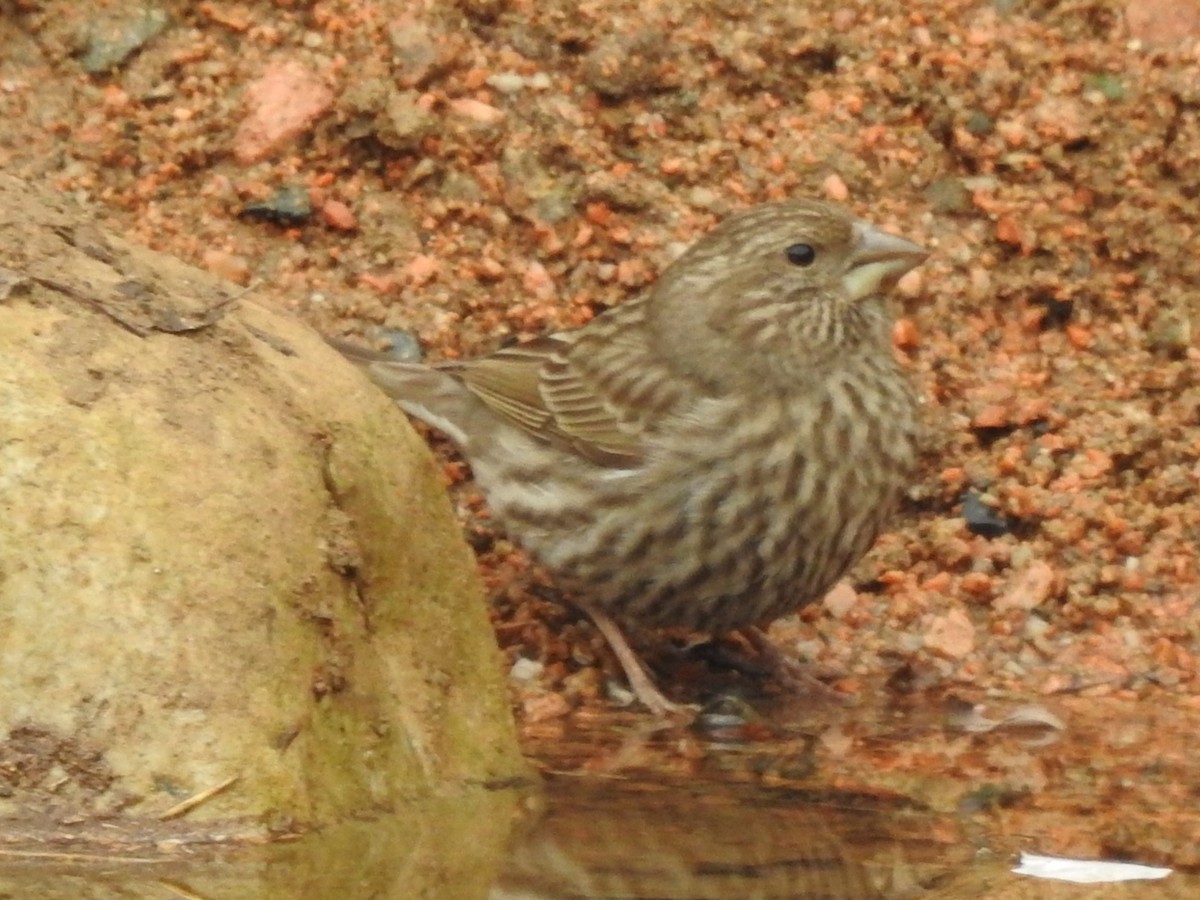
1171	332
994	415
1029	589
405	122
338	215
703	198
283	103
526	669
289	205
415	56
113	40
835	188
229	266
477	110
951	635
1107	85
507	82
910	284
948	195
1163	22
403	346
980	124
544	706
840	600
621	66
981	519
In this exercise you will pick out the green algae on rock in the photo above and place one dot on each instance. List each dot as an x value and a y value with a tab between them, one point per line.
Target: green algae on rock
227	569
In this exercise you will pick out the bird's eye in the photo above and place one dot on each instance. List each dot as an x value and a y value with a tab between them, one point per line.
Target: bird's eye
802	255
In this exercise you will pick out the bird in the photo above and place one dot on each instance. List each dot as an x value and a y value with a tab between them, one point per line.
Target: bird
712	454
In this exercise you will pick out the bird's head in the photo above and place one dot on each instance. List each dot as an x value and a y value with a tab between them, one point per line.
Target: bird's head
780	287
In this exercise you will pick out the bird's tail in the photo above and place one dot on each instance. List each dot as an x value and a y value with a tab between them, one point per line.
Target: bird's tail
432	395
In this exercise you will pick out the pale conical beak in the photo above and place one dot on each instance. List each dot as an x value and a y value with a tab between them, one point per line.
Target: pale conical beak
877	260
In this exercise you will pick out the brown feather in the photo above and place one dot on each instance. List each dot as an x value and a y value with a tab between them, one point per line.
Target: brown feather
540	386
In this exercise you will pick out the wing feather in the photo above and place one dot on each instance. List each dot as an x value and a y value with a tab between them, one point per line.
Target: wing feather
573	388
508	382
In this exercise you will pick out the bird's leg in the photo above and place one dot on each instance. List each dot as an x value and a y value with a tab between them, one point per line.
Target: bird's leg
640	682
787	669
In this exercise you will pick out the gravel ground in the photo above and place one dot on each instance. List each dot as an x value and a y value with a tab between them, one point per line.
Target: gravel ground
467	173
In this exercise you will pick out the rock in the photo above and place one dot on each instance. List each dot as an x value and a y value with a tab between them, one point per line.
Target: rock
112	39
623	65
405	122
1163	22
415	54
948	196
951	635
840	600
282	104
290	205
338	216
1029	588
226	564
982	519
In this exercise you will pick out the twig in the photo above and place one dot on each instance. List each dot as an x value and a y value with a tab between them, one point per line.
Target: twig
186	806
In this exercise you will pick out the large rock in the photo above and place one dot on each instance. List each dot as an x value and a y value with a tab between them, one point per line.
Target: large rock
226	563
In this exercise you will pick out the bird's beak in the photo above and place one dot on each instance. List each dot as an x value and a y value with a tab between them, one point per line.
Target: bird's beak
877	260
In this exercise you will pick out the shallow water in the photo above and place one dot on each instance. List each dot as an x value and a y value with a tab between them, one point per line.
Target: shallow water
603	838
905	800
920	797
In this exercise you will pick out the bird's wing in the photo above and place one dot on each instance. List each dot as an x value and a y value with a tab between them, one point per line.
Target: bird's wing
508	381
572	388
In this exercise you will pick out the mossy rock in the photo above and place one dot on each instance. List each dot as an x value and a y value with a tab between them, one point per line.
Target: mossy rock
228	569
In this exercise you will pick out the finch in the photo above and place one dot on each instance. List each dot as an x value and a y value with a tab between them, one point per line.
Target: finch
713	454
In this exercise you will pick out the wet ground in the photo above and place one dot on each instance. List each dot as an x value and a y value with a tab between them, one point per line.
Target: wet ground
917	798
464	173
904	800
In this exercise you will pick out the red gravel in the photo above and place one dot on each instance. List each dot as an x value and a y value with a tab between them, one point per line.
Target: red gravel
494	168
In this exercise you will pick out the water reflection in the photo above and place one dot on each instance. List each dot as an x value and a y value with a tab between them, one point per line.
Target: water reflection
919	800
451	847
925	796
607	838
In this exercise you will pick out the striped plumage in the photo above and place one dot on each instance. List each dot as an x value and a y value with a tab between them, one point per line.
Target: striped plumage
713	454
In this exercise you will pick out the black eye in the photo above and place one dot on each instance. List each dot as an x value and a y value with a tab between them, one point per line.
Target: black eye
802	255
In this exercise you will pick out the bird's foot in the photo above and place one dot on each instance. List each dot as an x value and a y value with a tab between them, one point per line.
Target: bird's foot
640	682
788	670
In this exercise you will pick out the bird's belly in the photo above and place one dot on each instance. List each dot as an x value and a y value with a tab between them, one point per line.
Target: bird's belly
720	535
743	555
